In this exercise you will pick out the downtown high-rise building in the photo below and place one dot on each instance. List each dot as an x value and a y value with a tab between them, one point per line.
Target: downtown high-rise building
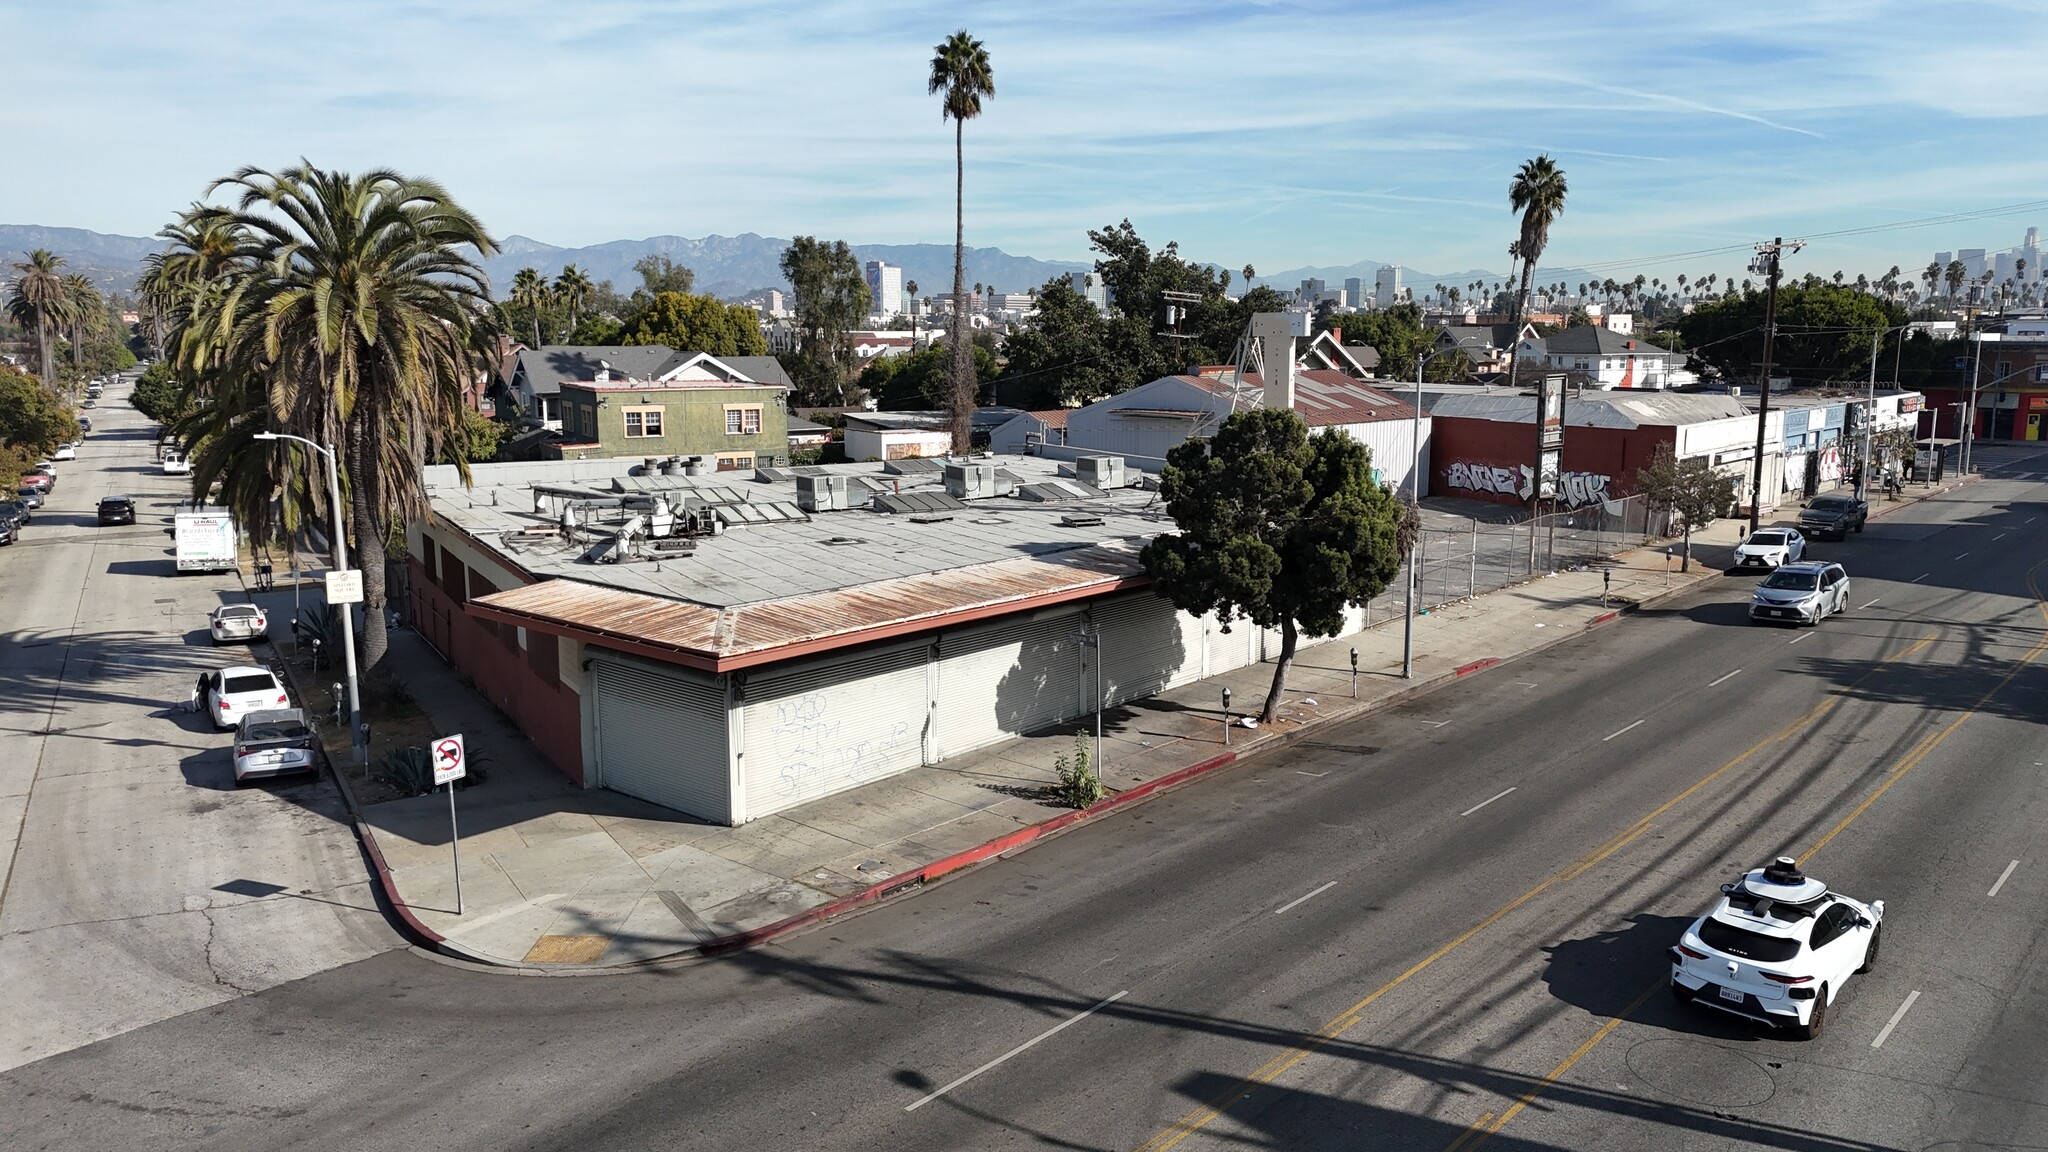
885	289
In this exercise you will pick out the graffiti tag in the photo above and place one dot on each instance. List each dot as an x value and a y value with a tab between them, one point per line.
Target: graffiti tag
1574	489
812	755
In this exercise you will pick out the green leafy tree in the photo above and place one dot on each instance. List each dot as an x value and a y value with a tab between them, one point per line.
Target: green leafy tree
1824	333
961	76
475	443
691	323
660	274
162	394
36	302
31	420
1689	489
922	381
831	299
1276	526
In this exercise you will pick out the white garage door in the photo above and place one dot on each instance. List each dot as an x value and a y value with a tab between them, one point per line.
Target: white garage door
1234	649
662	736
827	726
1148	646
1005	680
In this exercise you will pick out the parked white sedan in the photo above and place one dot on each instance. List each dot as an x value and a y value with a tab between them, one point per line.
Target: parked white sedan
65	452
244	622
228	694
1770	548
1777	947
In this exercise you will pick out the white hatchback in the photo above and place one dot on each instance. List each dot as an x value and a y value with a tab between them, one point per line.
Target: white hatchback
1770	548
228	694
1777	947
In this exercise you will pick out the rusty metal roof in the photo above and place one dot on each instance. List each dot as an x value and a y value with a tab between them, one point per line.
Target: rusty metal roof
748	634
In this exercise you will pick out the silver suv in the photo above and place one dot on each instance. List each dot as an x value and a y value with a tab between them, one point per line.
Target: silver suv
1802	593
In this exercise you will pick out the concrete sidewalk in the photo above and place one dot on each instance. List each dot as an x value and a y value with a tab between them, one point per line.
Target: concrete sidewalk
559	878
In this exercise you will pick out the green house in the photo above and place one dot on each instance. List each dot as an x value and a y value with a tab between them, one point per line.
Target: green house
703	406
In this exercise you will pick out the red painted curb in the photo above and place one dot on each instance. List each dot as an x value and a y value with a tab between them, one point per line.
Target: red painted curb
958	860
1602	618
390	886
1476	665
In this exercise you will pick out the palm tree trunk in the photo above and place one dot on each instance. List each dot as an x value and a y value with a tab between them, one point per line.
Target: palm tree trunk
962	358
1288	637
48	353
369	540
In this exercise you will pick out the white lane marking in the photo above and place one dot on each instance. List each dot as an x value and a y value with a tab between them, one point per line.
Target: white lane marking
500	914
1435	723
2002	878
1997	538
1300	899
1484	803
1873	600
1048	1034
1728	677
2030	520
1612	735
1886	1032
1317	775
1960	555
1922	576
1798	638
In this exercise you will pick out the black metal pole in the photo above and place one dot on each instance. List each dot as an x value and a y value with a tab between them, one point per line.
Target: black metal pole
1763	408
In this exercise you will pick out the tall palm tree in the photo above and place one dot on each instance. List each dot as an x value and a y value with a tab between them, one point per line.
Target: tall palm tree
85	313
1954	274
910	290
960	76
1537	192
530	290
366	311
37	301
572	287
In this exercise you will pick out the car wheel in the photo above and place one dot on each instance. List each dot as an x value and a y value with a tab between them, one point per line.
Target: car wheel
1870	953
1817	1022
1859	525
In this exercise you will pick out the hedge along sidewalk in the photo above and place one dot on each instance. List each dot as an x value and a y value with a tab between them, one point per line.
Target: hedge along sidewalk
560	879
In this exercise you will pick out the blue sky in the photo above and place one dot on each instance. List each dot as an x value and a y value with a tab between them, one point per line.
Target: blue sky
1280	134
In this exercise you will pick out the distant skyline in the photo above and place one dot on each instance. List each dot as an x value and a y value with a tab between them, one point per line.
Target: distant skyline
1279	134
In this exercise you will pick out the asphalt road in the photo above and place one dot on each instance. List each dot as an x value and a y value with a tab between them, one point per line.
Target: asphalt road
139	884
1440	927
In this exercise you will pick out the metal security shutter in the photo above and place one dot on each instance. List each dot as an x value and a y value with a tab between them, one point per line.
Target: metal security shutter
826	726
1233	649
662	737
1145	648
1004	680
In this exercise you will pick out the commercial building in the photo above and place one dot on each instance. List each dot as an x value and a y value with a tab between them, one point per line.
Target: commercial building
730	646
885	289
1387	286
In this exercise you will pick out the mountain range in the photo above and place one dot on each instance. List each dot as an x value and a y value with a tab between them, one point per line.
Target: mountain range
728	266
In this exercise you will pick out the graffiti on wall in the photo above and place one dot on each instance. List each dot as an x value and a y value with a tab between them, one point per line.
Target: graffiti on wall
815	757
1574	489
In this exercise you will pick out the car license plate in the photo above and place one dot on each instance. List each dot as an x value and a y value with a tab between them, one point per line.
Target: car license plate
1734	994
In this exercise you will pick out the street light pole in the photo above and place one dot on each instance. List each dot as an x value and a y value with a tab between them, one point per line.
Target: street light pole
1415	499
1970	414
359	752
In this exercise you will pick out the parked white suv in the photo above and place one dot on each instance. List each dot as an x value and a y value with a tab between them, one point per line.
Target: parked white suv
228	694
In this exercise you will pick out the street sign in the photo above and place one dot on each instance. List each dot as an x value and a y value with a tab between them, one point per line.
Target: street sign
448	759
345	587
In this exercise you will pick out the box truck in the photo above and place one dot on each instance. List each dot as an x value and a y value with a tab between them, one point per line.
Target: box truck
206	541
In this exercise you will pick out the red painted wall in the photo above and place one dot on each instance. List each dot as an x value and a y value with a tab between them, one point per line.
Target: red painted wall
524	684
1476	459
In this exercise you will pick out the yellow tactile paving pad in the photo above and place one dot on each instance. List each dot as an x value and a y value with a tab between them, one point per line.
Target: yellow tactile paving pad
567	949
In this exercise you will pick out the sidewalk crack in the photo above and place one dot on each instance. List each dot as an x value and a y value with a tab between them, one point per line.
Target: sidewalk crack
211	968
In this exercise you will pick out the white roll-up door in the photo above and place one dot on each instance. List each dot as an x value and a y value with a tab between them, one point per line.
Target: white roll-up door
1228	650
1147	646
1003	680
822	727
662	736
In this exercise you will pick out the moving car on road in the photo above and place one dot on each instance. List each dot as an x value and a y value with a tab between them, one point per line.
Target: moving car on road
117	510
1777	947
228	694
1770	548
1802	593
274	742
176	464
244	622
1834	516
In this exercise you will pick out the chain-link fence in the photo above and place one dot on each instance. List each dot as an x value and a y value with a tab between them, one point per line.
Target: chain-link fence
1458	563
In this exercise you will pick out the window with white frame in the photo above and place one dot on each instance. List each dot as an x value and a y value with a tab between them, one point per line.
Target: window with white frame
742	419
643	423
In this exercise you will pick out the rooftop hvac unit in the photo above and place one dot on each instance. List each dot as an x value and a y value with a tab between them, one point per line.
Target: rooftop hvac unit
830	494
1105	472
970	481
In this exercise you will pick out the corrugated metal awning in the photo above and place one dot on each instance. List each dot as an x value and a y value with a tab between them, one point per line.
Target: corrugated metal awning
746	635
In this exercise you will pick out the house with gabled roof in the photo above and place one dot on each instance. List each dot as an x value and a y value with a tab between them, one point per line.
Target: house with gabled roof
695	405
1611	360
530	388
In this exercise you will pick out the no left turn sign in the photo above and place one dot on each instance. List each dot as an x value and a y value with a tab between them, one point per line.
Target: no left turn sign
449	763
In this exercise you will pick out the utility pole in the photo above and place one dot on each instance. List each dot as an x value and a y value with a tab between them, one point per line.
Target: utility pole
1766	262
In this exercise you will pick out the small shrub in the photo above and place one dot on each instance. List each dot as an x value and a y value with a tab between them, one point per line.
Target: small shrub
408	771
1079	784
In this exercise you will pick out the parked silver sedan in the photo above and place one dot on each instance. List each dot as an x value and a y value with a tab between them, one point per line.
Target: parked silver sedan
276	742
238	622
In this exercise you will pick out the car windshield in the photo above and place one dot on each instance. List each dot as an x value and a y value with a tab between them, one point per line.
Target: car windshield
1793	581
274	732
238	612
115	502
1830	504
250	682
1772	538
1746	944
